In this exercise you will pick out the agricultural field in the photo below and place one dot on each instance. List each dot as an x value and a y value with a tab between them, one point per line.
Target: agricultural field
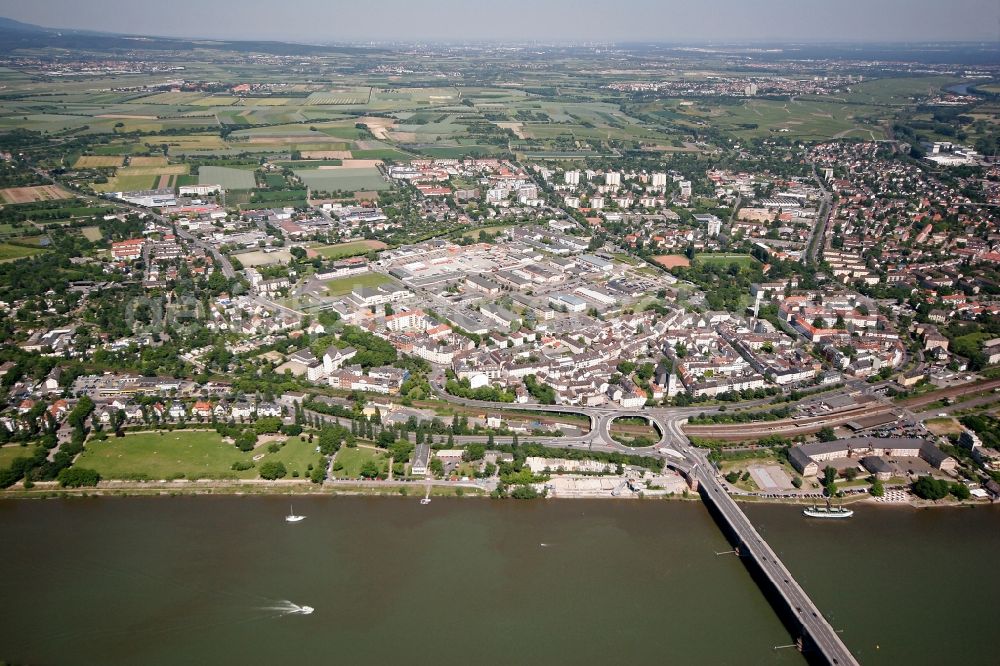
352	249
339	97
808	119
346	285
227	177
140	161
17	195
341	179
98	162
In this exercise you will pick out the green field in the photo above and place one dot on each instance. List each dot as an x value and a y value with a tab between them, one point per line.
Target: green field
353	459
163	455
194	454
10	252
348	180
352	249
727	259
343	286
295	454
11	451
228	178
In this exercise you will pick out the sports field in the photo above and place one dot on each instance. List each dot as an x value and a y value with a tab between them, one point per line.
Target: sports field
346	285
672	261
727	259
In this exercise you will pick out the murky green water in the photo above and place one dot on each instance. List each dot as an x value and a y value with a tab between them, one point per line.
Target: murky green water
204	579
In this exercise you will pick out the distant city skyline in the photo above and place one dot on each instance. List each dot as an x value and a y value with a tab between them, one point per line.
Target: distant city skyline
320	21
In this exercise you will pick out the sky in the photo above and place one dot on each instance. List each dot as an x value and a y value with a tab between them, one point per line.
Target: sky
328	21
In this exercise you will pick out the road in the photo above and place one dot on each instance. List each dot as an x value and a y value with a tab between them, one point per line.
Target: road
817	235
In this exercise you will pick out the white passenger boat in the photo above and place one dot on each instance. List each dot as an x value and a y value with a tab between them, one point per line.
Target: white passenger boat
827	512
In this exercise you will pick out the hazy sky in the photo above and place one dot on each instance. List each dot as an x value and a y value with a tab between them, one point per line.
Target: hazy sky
563	20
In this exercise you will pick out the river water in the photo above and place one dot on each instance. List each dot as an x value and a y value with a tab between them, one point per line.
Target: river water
210	580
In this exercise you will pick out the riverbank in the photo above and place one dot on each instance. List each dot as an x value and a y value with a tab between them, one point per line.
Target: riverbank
296	488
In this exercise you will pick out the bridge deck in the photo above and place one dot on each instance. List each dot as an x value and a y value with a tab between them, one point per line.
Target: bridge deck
814	626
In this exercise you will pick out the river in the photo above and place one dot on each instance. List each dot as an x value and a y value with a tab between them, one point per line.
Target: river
208	579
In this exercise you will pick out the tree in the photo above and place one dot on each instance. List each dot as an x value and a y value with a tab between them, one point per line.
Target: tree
877	488
272	470
829	475
246	440
826	434
929	488
75	477
524	492
369	470
960	491
436	467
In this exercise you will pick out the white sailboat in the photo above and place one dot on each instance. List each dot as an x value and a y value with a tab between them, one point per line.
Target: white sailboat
291	517
427	497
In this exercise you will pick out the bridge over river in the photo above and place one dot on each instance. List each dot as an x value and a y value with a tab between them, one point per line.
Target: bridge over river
819	640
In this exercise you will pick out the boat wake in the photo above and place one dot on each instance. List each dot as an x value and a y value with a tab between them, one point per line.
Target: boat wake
289	608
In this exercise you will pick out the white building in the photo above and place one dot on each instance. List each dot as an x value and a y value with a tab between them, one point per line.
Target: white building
198	190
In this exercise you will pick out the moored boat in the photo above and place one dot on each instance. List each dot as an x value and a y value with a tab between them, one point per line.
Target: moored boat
827	512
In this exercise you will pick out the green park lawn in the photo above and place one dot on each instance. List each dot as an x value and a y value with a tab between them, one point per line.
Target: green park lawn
296	455
11	451
163	455
195	454
353	459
